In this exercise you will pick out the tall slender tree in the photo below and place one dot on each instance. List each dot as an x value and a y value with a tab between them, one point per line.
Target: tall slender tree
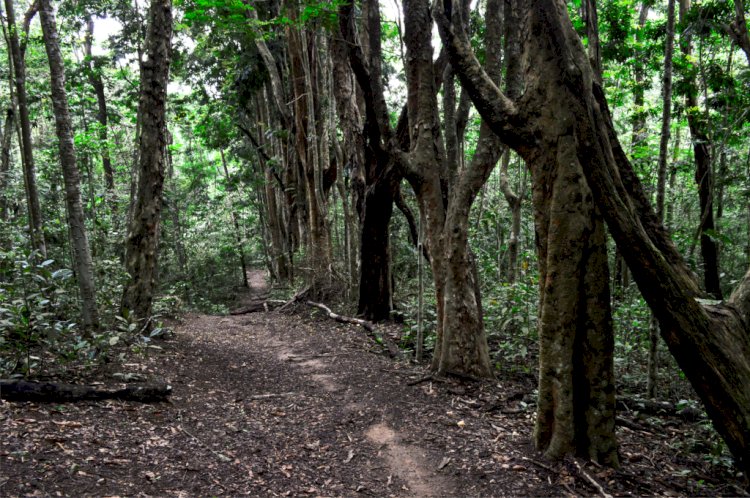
82	263
703	157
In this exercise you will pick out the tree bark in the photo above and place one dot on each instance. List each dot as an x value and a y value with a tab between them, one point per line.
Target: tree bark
142	246
82	263
710	342
17	49
513	88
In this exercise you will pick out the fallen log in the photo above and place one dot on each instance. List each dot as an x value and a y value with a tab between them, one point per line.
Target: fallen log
54	392
383	341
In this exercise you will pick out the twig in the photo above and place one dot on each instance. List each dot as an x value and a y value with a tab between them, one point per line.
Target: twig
270	395
591	480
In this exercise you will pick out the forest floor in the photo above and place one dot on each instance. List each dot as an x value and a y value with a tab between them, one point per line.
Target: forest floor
275	404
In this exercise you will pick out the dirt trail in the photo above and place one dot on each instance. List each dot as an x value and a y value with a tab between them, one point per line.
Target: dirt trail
274	404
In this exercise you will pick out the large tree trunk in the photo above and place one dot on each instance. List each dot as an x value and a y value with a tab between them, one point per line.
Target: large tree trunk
141	254
461	345
711	343
374	176
17	49
576	385
82	263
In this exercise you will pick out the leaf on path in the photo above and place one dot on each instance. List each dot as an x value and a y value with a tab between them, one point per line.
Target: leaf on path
444	463
349	456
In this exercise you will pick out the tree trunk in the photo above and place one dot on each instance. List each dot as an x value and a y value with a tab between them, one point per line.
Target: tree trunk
17	49
5	145
374	176
303	72
82	263
576	386
95	79
513	87
704	176
666	120
142	243
236	225
711	343
738	29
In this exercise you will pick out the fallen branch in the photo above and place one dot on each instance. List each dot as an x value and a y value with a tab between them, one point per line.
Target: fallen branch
256	306
592	481
53	392
296	298
383	341
622	421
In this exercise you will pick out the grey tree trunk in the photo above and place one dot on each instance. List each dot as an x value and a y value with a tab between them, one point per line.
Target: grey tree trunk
82	264
141	251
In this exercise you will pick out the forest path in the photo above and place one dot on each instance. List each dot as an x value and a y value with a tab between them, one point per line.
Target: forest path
282	404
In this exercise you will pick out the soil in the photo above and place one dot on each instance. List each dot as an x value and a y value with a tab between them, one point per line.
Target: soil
291	404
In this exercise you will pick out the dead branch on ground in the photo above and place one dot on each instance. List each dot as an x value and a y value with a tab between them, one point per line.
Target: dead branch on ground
381	339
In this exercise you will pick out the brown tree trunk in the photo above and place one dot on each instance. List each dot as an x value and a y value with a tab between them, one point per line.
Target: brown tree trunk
82	264
142	246
17	49
666	120
461	345
513	87
236	224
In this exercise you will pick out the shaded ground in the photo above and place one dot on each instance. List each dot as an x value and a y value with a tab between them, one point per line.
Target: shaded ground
271	404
